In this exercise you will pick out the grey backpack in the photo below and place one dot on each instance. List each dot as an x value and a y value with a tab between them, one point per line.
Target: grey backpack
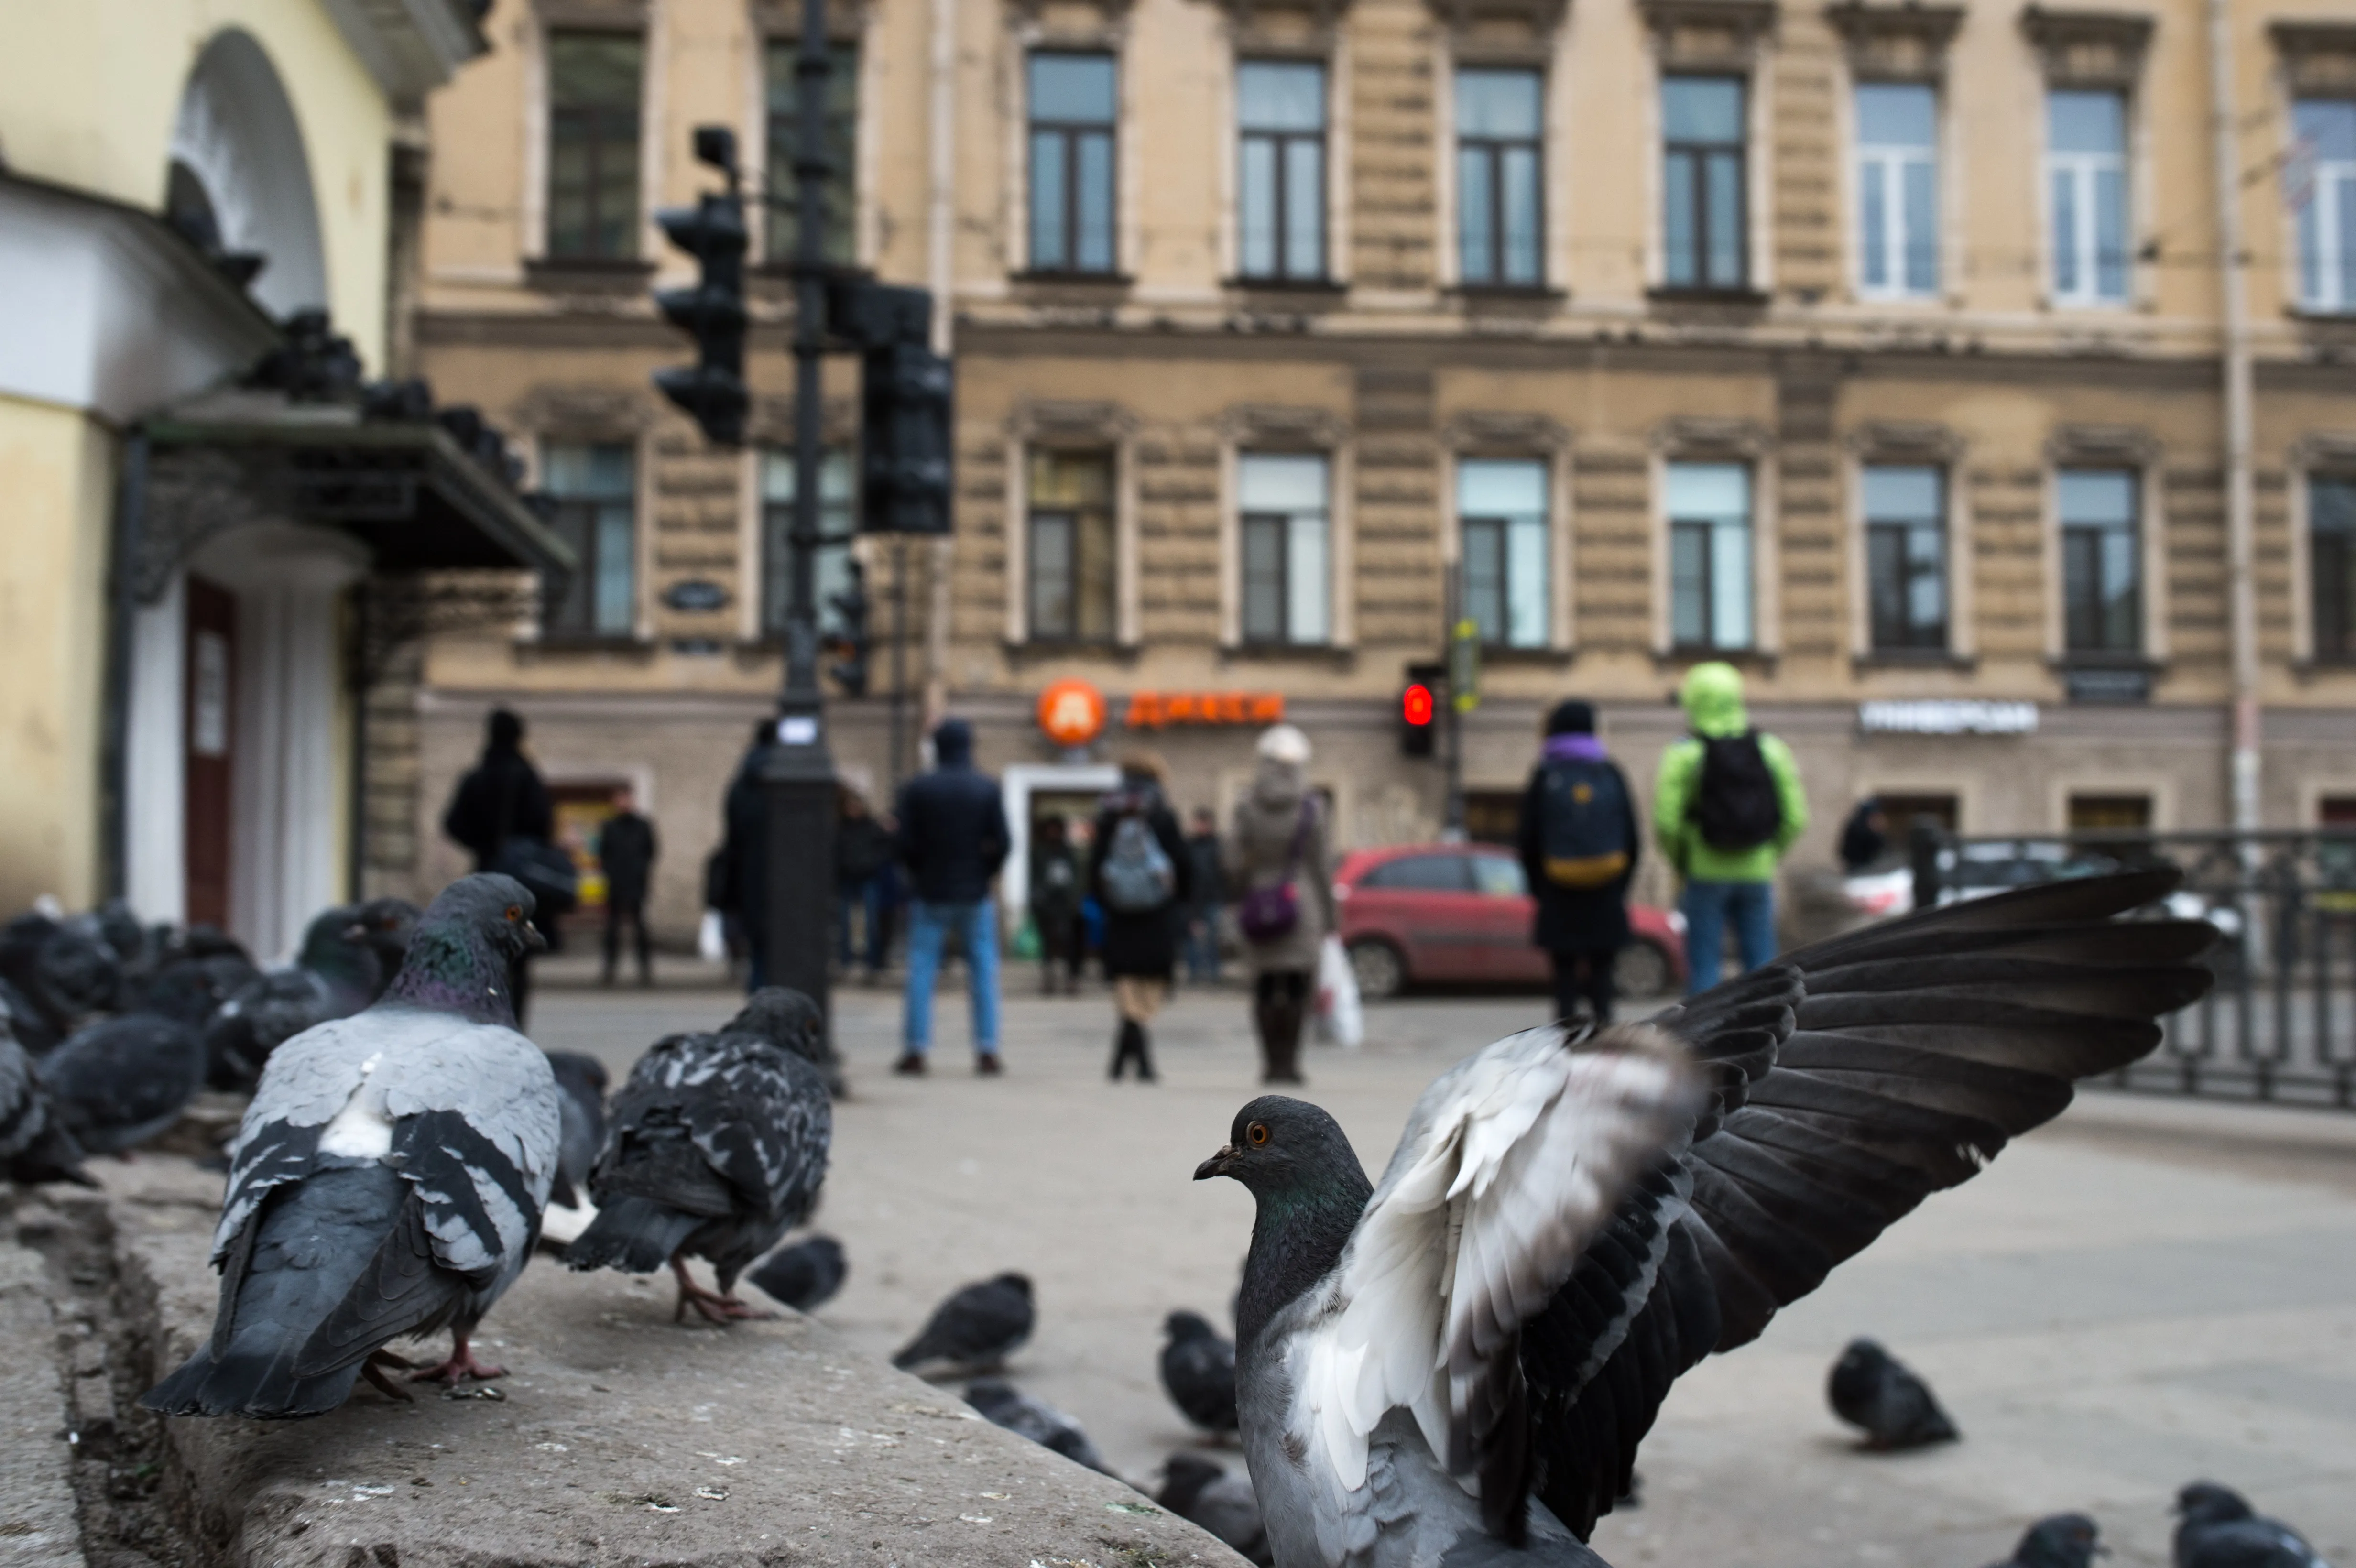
1138	876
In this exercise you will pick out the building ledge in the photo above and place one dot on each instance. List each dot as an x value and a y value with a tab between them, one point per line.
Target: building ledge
587	274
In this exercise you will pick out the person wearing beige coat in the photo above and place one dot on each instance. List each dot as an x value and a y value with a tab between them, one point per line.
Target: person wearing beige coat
1279	832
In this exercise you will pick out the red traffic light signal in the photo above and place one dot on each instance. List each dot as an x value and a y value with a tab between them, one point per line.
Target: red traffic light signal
1415	705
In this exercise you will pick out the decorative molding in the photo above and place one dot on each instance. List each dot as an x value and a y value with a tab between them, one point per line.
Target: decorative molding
582	411
1700	438
1265	424
194	496
1906	440
1895	43
781	20
1069	421
2118	446
1056	19
1284	25
1474	431
1481	24
1689	33
2332	451
2088	49
2317	56
770	421
614	16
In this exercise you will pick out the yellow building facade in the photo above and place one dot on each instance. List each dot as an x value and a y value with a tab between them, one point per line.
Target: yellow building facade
1892	352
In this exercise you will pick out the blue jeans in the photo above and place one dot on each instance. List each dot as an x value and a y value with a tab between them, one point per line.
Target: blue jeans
929	927
1202	942
867	897
1708	907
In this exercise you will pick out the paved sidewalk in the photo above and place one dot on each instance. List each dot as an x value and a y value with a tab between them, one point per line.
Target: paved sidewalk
2144	1293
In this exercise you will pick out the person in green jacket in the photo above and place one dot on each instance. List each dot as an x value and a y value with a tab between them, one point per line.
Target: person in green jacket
1726	806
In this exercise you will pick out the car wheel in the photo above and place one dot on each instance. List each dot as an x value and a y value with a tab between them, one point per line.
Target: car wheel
1641	970
1378	969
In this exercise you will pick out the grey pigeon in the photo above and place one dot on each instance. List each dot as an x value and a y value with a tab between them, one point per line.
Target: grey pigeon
1002	1404
1198	1372
1202	1491
580	1085
805	1275
976	1329
1879	1395
334	975
58	973
33	1145
1460	1362
2057	1540
118	1082
386	1181
2216	1527
716	1147
385	926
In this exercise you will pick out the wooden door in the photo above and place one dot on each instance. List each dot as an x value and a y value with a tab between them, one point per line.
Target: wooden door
208	727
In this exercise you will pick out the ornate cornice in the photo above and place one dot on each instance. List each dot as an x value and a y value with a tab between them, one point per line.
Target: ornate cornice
2088	49
1691	437
2123	445
1249	424
1906	440
1478	429
1535	19
1070	419
1709	32
1904	42
2318	56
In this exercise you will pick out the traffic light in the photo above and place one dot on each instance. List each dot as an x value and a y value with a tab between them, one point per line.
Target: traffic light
905	394
853	640
1420	709
711	390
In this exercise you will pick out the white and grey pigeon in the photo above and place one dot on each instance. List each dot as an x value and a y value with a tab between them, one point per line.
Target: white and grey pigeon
2216	1528
1457	1365
34	1143
386	1181
715	1148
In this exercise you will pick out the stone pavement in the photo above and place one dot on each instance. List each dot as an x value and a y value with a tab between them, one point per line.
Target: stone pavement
2145	1292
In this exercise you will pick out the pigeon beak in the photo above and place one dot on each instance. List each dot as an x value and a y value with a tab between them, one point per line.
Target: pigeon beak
533	942
1220	1164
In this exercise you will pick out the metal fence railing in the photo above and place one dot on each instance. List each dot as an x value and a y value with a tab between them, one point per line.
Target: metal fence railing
2280	1023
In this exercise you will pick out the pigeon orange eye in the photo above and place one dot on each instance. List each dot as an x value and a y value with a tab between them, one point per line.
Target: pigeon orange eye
515	911
1257	1133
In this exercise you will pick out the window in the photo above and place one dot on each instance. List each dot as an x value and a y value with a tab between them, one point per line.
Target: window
1421	874
1709	555
838	515
2086	170
1503	506
2331	524
1280	129
1072	555
592	145
1900	812
784	132
1499	878
1897	189
1286	580
595	491
1072	119
1906	556
1702	200
2102	601
2323	193
1500	226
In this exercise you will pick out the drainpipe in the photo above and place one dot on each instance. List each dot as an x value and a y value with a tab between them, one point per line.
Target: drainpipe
2240	525
942	268
114	722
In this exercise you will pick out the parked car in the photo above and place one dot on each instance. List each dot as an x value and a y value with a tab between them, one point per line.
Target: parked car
1416	914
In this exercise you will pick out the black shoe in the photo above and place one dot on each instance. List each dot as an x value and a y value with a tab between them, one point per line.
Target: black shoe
910	1065
987	1065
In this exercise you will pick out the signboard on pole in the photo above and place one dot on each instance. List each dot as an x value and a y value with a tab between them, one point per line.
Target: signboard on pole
1464	665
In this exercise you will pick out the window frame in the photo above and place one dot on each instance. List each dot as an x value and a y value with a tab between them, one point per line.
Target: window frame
1247	518
2084	170
1708	529
596	116
1919	639
1282	142
1492	150
2137	645
1738	149
2345	547
781	132
1034	513
1070	133
2331	181
1886	162
556	624
775	521
1505	524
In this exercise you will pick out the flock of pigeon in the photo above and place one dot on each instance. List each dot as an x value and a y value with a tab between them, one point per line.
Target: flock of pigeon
1452	1366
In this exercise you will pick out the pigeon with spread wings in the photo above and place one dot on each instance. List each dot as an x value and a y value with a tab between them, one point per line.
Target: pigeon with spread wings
1460	1361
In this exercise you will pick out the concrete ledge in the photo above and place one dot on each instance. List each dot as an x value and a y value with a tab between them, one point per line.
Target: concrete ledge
618	1438
38	1524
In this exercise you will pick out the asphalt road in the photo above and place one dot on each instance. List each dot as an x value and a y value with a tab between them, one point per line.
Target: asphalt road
2146	1292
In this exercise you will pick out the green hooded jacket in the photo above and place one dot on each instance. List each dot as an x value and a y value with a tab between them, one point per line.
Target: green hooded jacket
1712	696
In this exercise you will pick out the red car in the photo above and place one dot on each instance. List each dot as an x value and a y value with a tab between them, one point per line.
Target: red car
1415	912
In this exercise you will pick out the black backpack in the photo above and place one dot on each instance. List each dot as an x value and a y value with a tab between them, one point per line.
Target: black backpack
1735	805
1583	825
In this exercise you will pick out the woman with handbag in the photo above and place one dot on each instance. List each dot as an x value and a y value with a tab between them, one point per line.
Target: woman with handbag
1276	864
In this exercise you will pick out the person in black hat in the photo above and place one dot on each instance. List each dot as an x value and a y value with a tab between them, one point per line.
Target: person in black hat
1578	848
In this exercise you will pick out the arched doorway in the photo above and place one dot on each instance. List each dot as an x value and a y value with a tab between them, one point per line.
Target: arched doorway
239	181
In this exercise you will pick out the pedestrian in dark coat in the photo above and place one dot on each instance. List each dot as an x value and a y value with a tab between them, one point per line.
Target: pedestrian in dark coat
625	853
742	866
1136	840
1582	909
1055	903
1210	894
862	850
503	797
952	839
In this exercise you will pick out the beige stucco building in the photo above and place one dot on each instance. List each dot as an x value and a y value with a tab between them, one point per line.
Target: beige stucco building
1882	349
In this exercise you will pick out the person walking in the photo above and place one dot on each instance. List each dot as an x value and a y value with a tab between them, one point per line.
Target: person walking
501	799
952	839
1142	873
1726	807
737	881
625	853
1276	868
1055	905
862	851
1578	849
1208	896
1865	836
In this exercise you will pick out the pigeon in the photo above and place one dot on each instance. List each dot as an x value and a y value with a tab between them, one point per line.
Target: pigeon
1003	1405
118	1082
34	1143
334	976
581	1079
2057	1540
1460	1361
2218	1529
386	1181
1876	1392
1202	1492
805	1275
385	926
57	975
716	1147
976	1329
1198	1370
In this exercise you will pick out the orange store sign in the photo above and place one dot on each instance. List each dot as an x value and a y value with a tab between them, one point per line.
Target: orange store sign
1156	709
1072	712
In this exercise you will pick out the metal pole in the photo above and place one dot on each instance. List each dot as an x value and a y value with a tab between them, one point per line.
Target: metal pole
798	777
1452	808
2239	523
899	660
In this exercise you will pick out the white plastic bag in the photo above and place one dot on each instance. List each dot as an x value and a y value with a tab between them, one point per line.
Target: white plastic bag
1341	1018
712	938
